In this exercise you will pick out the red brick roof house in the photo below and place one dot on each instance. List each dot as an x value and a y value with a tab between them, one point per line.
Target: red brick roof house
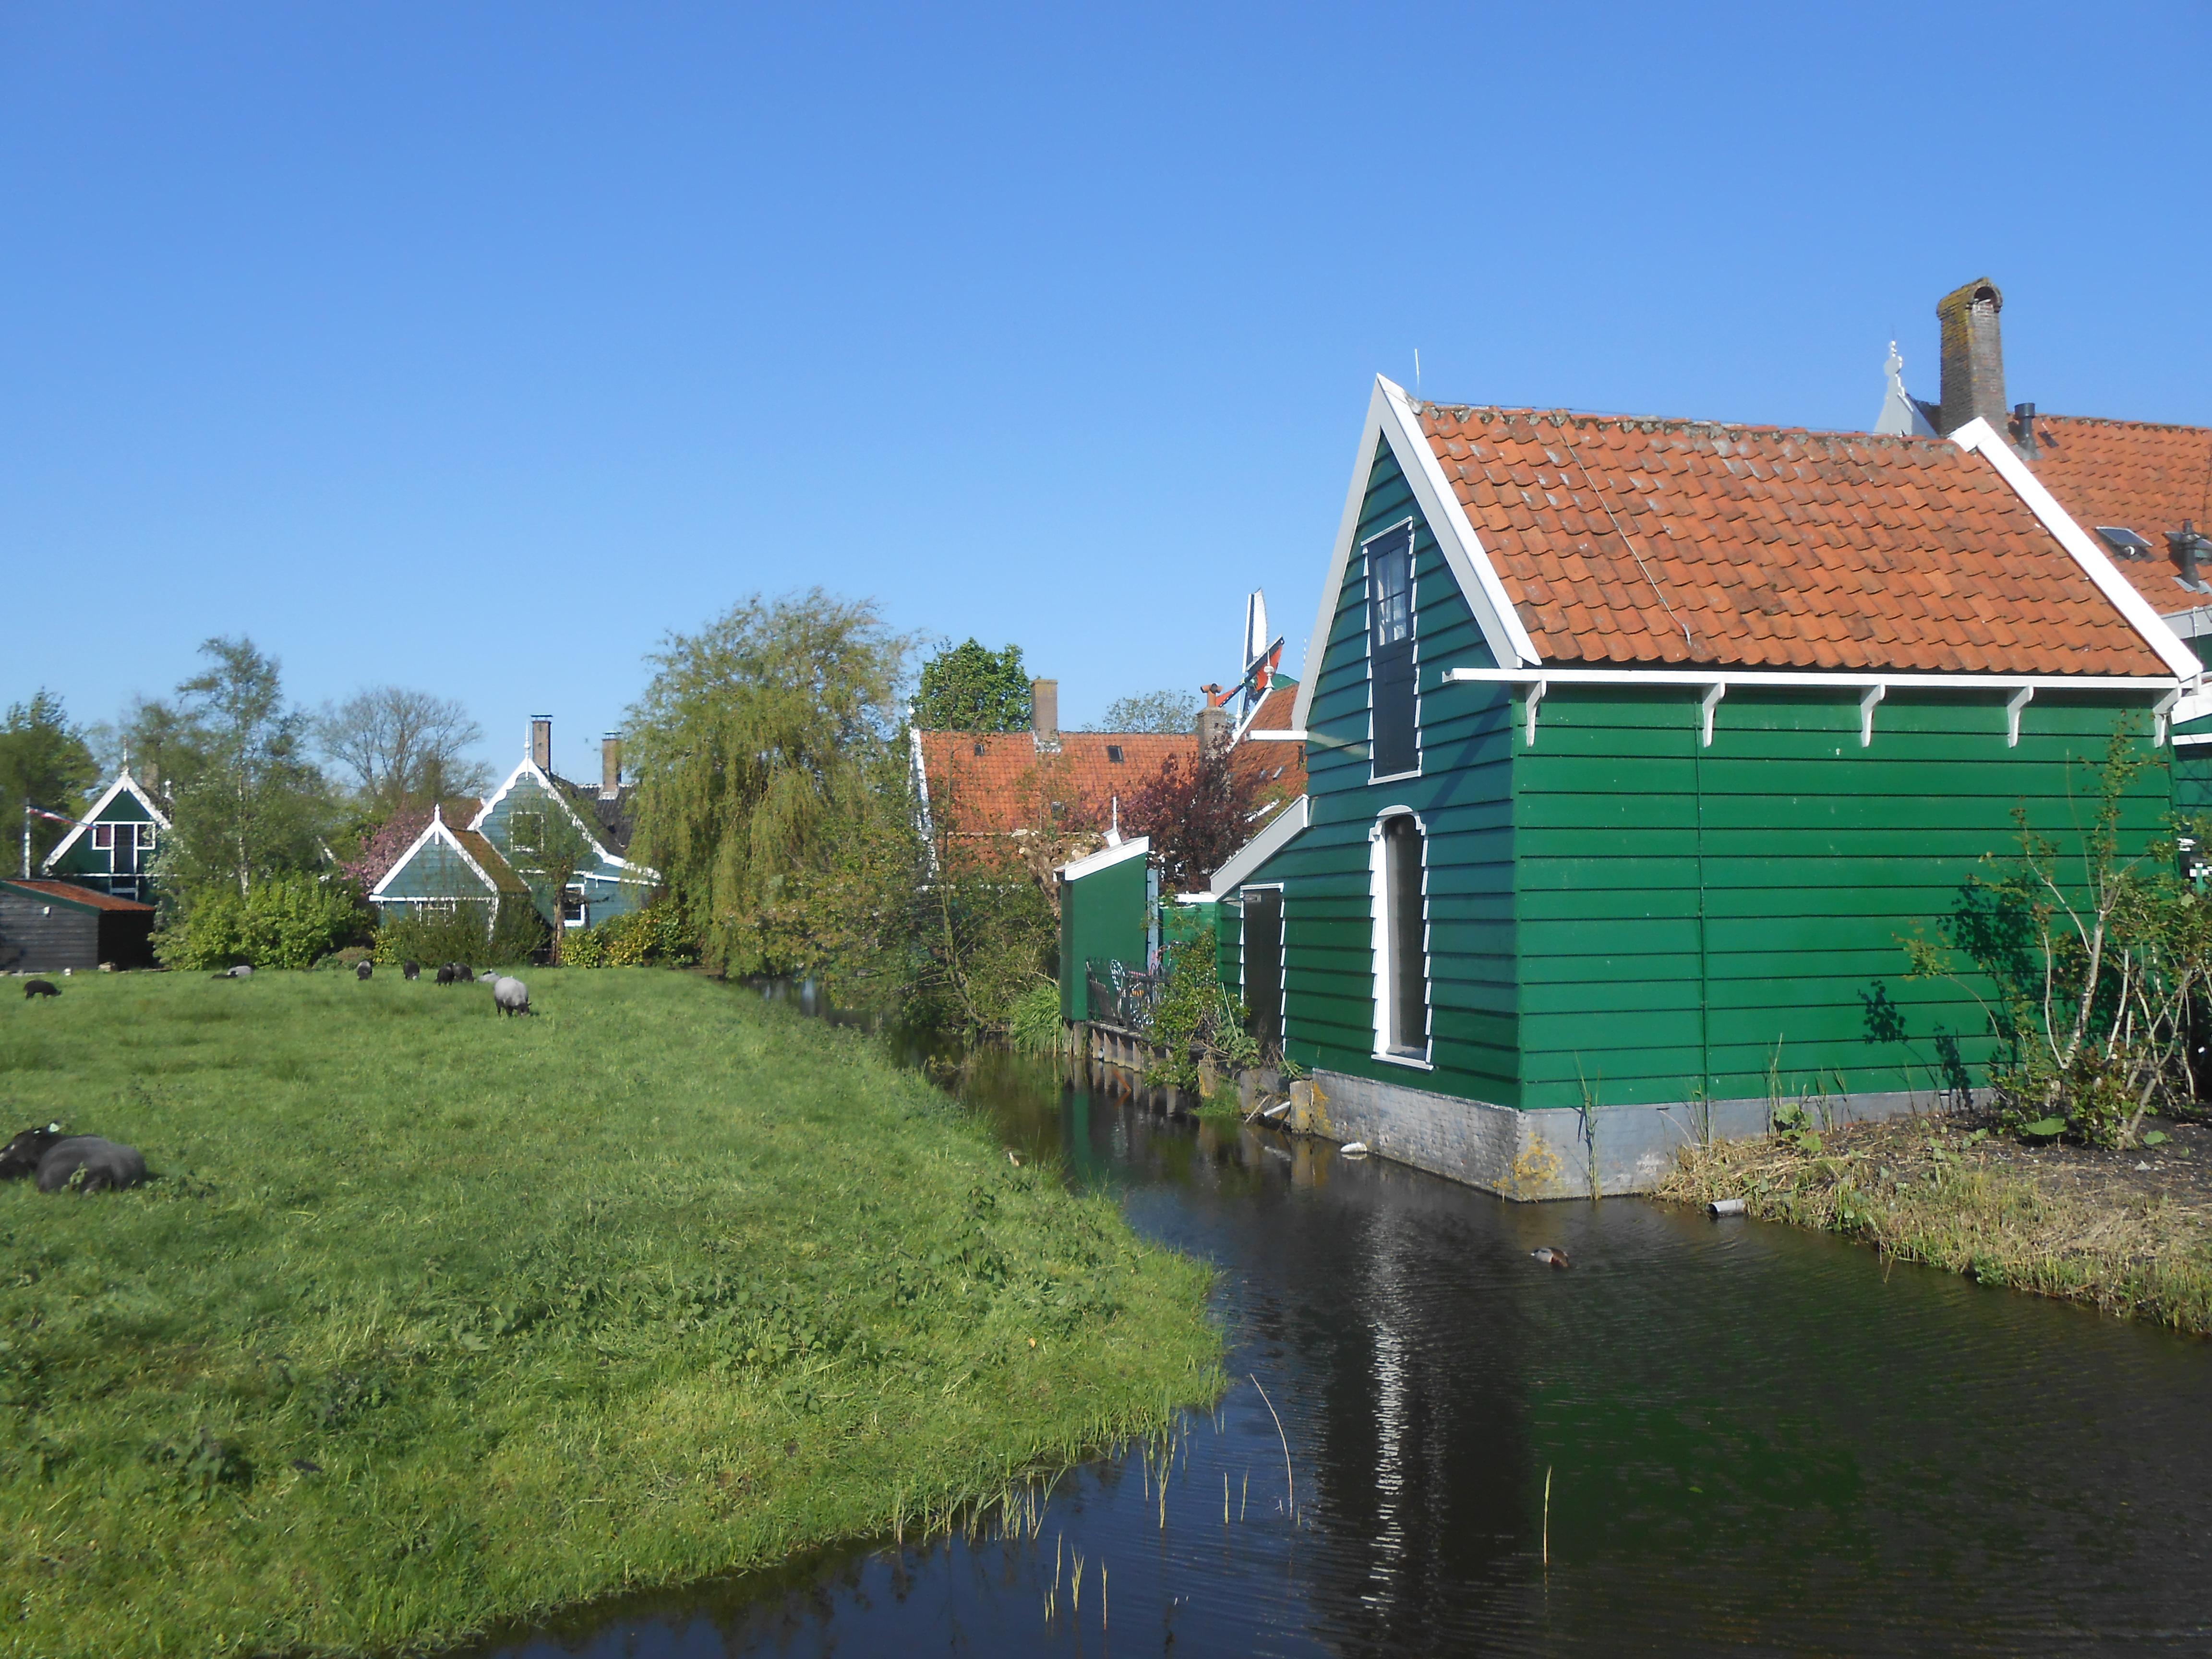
1633	746
2143	488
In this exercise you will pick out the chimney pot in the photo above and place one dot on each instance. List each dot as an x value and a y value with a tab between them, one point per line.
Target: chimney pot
541	742
1044	709
1973	355
2023	421
610	766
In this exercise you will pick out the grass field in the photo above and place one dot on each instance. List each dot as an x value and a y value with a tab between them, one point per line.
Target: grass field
433	1319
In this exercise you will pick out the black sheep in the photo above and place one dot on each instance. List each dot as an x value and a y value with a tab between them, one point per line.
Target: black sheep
106	1164
21	1156
410	971
362	971
40	988
445	973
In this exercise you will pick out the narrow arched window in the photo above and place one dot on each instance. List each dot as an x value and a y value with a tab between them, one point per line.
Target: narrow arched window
1405	939
1393	703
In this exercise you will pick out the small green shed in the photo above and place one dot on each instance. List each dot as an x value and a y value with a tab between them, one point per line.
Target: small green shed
1108	912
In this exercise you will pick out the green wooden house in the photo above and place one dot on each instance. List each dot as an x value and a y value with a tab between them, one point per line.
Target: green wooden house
1109	914
1635	746
449	869
113	848
515	816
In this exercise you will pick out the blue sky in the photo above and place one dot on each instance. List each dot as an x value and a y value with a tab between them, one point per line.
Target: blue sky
477	347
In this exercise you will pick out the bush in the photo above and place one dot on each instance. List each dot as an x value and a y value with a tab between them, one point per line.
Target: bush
656	933
286	921
1034	1024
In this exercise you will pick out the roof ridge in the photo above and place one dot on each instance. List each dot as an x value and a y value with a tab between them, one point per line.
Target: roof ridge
2118	419
1559	417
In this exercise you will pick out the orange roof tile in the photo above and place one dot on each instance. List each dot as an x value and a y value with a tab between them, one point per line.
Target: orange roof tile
995	782
1854	551
2138	476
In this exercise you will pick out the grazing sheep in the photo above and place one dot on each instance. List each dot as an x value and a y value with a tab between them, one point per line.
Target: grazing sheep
244	970
410	971
106	1164
40	988
21	1156
490	976
510	996
362	971
446	973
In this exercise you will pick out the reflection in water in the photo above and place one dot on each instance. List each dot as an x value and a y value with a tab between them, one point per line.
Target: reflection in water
1759	1439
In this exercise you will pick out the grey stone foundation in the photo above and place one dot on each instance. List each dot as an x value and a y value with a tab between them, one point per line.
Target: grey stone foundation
1550	1151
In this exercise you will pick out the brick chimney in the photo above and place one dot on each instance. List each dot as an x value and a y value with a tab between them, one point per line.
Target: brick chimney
1973	356
1044	709
1213	727
541	742
610	766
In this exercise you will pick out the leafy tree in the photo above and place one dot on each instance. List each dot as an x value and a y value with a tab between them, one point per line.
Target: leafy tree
256	805
402	747
45	762
1197	815
968	687
162	745
1170	713
770	783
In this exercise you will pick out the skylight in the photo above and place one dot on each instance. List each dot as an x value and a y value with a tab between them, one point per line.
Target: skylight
2125	542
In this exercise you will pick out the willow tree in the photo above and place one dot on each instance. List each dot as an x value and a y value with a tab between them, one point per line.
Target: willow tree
770	780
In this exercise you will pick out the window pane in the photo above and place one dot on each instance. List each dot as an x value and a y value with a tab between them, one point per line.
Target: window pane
1406	920
1390	589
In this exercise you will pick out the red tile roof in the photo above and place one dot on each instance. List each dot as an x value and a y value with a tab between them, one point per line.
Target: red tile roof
1012	783
2141	477
1277	770
1772	547
74	894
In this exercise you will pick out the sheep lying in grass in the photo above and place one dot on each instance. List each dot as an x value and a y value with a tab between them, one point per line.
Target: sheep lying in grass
105	1164
21	1156
55	1158
510	996
244	970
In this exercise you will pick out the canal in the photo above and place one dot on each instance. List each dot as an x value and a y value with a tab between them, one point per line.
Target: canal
1753	1438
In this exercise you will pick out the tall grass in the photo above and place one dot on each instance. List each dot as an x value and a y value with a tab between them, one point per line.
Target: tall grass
434	1319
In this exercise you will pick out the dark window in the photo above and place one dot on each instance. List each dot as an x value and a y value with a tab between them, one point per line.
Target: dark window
103	836
1405	939
572	907
1390	652
978	748
1263	965
1114	753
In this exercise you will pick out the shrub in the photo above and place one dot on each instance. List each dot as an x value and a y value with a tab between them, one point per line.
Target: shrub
290	920
1034	1024
656	933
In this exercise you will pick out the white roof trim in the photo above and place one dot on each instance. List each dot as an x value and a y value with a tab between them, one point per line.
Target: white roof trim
1557	676
436	829
1105	858
1977	437
123	781
1264	846
552	791
1390	416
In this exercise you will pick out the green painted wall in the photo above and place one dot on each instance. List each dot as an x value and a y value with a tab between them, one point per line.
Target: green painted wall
1691	916
1464	797
436	872
1102	918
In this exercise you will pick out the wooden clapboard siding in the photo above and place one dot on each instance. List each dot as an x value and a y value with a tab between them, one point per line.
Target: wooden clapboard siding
1692	919
1464	798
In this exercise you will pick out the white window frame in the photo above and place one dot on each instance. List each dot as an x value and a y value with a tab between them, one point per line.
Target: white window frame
107	844
1413	632
584	905
1378	910
1282	955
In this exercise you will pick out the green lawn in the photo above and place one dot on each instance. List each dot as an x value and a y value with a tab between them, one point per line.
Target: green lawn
434	1318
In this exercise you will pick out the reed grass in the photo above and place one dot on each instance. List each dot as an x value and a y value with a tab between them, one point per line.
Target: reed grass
434	1321
1917	1190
